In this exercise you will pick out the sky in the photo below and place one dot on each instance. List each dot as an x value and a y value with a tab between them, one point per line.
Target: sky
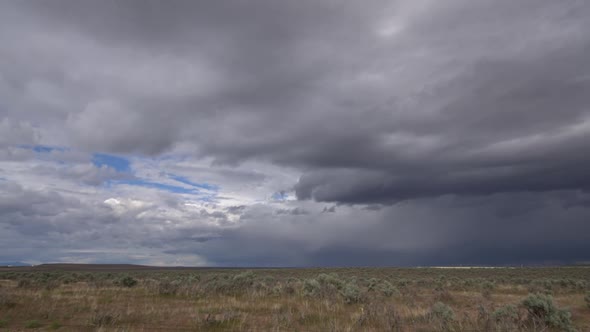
295	133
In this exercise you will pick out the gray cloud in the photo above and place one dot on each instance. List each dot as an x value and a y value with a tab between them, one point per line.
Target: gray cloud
520	228
417	98
424	122
523	228
330	209
296	211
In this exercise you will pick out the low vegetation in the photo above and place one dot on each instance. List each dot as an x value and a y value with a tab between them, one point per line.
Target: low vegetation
542	312
345	299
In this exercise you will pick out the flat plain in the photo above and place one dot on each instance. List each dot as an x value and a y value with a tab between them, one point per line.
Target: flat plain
139	298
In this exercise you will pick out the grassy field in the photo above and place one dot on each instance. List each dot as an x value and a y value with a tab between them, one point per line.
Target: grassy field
133	298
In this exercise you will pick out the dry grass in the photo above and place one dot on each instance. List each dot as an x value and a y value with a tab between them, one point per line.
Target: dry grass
352	299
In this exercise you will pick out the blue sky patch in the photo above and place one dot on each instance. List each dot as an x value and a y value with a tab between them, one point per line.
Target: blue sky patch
279	196
186	181
42	148
196	188
118	163
161	186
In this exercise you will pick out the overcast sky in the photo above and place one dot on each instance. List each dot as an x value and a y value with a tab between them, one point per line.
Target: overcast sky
295	133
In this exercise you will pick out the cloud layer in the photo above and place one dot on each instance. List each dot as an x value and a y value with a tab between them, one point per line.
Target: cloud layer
269	133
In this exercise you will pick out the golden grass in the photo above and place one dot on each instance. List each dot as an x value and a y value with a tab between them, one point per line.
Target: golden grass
270	300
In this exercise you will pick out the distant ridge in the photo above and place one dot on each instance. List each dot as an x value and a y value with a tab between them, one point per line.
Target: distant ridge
132	267
103	267
10	264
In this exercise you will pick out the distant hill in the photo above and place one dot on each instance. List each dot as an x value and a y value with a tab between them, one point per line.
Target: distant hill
14	264
91	267
109	267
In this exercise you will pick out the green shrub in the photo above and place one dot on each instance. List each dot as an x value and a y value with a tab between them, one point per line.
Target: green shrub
3	323
506	313
324	286
387	289
403	282
244	279
54	326
542	286
506	318
443	312
233	284
580	284
372	284
194	278
469	282
128	281
311	287
330	280
488	285
351	293
587	299
483	312
33	324
540	308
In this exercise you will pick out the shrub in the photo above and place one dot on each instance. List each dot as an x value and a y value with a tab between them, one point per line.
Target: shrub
325	285
104	318
54	326
372	284
581	284
232	284
32	324
403	282
486	288
289	287
66	279
483	313
374	314
470	282
351	293
508	312
443	312
540	308
387	289
587	299
166	287
541	286
330	280
3	323
128	281
244	279
311	287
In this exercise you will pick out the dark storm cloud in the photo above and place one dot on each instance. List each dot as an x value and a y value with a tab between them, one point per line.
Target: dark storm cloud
295	212
503	229
519	228
377	101
330	209
221	68
41	213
